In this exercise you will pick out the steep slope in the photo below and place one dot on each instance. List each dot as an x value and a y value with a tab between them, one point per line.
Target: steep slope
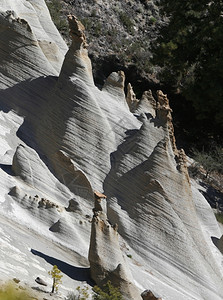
63	138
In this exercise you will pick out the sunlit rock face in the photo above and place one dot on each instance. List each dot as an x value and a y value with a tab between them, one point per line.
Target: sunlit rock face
62	138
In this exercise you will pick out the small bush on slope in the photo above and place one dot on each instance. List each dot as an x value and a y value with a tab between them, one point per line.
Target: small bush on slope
107	292
82	294
212	161
56	275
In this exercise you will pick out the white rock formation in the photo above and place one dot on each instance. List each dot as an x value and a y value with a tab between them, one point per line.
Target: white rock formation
36	14
62	138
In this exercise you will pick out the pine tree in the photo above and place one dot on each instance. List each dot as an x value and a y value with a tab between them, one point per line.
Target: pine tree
56	275
189	50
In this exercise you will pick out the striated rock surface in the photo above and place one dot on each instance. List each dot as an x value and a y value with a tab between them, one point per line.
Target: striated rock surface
36	14
105	256
62	138
76	114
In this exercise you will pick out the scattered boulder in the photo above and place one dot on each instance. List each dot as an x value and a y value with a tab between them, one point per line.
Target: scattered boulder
15	192
16	280
148	295
56	227
73	206
40	281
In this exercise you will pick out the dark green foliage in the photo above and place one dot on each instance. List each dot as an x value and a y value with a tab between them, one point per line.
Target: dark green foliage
126	21
93	25
153	20
189	49
87	22
59	20
211	161
108	292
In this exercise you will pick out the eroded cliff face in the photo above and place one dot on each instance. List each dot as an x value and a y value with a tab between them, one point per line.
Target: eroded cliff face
64	138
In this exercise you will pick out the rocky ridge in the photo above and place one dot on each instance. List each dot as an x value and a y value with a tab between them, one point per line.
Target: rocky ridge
124	41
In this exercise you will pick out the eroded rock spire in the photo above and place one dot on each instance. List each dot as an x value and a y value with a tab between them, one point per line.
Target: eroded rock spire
77	32
105	256
77	64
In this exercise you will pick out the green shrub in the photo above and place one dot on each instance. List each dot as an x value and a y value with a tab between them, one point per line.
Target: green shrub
55	8
9	291
188	50
87	22
153	20
126	21
211	161
107	292
97	28
83	294
56	275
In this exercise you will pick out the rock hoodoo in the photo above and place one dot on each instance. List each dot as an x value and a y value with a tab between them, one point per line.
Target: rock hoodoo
76	59
106	259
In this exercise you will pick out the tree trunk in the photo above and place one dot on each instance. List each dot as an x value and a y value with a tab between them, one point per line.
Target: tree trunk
53	286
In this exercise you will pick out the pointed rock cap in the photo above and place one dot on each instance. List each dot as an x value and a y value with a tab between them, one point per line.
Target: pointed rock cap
99	195
100	204
147	104
163	107
131	99
114	85
77	32
76	64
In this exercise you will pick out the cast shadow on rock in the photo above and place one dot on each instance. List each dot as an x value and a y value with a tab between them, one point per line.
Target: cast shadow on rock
212	195
28	99
215	241
218	243
7	169
76	273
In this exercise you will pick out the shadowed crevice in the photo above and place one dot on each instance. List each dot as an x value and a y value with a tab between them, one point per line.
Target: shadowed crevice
76	273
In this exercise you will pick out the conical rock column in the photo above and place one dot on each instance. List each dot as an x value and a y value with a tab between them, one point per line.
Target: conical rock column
106	259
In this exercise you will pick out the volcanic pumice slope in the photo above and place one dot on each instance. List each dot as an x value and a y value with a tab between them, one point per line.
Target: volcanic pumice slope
62	138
